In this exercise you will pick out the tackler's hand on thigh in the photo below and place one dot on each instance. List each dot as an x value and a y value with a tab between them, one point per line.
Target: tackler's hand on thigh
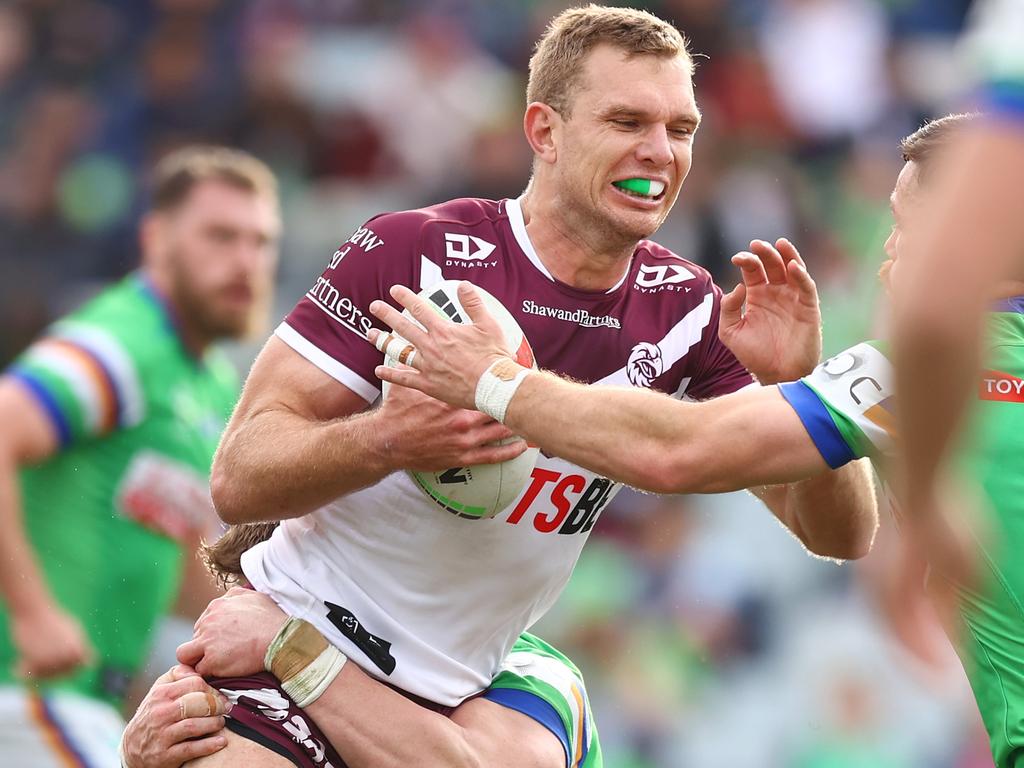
180	719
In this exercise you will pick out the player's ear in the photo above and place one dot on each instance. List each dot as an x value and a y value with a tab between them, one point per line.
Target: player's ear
542	125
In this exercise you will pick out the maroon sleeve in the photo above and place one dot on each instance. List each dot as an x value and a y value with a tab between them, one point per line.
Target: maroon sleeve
329	324
720	372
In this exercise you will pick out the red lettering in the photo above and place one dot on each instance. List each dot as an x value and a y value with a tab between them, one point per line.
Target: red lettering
541	477
562	504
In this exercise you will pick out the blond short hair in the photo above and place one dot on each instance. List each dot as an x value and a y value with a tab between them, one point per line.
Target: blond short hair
179	172
932	138
556	66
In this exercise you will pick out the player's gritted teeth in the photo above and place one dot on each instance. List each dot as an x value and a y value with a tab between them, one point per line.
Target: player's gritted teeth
641	188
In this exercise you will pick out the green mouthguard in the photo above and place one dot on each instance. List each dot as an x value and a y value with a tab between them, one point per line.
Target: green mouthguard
640	186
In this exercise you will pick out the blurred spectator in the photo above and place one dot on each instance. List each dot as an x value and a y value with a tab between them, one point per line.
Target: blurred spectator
826	60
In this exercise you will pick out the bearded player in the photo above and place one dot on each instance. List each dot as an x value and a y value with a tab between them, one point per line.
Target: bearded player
844	410
110	422
432	603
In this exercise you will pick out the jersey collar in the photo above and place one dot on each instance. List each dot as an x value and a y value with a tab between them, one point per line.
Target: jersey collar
514	209
163	305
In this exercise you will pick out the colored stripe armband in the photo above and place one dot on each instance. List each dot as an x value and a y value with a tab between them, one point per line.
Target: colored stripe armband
818	422
48	402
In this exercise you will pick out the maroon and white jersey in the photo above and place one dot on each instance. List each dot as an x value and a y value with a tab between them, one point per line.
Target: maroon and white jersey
426	600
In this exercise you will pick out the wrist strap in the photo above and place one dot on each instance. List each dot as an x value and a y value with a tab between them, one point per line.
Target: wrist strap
497	386
303	661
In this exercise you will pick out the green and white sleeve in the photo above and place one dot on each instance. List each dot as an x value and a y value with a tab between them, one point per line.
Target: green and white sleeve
846	404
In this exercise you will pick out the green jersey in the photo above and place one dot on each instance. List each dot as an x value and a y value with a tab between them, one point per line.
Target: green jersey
846	405
138	420
542	683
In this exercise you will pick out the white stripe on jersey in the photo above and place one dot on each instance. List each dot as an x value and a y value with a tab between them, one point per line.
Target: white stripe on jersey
118	362
515	219
342	373
676	344
680	392
430	273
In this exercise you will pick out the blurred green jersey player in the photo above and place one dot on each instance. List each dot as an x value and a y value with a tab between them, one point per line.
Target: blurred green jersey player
110	422
972	238
848	408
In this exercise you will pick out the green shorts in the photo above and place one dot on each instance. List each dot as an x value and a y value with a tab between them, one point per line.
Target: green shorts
546	686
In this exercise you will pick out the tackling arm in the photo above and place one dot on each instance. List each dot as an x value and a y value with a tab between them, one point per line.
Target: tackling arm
749	439
361	716
369	723
655	443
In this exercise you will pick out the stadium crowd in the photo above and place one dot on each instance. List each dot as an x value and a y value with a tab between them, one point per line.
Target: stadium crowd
707	637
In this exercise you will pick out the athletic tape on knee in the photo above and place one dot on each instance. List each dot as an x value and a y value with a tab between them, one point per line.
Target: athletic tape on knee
395	348
497	386
303	661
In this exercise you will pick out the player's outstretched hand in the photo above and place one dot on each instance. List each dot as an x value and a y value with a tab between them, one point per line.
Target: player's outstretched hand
179	720
771	320
232	635
50	642
449	358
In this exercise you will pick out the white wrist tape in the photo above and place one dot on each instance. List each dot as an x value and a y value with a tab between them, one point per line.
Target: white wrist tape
309	684
497	386
303	661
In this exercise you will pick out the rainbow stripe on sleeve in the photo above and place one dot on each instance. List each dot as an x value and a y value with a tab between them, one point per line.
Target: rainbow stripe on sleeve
81	391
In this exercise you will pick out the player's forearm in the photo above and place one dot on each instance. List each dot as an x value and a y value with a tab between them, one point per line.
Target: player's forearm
628	435
22	585
275	464
932	407
655	443
834	514
373	726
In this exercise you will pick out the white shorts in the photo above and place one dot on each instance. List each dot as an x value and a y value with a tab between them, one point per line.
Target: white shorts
57	730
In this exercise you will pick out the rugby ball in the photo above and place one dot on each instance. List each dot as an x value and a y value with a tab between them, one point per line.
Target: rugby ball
484	490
